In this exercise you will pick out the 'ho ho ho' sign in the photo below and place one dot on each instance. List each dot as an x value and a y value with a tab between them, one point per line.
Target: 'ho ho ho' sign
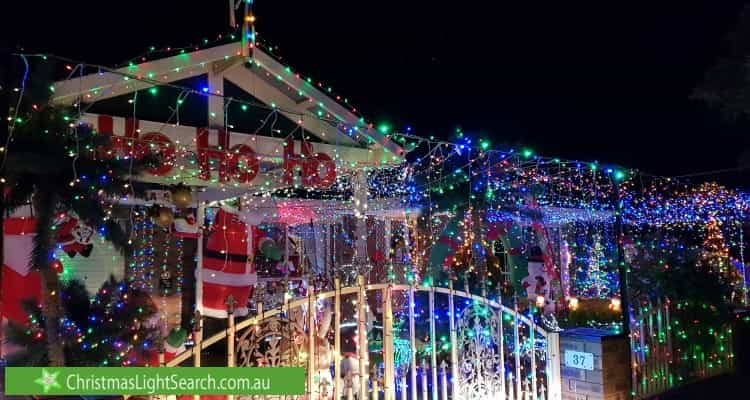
209	157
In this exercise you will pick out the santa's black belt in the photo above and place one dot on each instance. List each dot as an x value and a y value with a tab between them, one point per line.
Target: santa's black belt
224	256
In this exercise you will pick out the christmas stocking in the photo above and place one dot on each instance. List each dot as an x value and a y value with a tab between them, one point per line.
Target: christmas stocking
186	227
19	282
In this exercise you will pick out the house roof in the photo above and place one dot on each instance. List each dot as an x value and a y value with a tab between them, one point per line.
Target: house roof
262	76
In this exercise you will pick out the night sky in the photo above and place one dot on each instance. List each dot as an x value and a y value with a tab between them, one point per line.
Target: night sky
584	80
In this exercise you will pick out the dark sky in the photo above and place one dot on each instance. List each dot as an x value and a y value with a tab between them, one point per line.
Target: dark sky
603	80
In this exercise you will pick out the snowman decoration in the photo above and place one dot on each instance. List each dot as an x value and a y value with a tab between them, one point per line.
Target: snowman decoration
537	283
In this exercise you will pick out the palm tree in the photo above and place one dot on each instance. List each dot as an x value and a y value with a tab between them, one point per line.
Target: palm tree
58	166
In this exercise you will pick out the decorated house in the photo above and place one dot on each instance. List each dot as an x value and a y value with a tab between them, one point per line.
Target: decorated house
264	222
283	197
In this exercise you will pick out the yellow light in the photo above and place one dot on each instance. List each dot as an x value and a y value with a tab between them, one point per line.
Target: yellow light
573	303
540	301
615	304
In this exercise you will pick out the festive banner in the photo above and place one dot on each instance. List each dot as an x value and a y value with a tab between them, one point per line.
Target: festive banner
206	157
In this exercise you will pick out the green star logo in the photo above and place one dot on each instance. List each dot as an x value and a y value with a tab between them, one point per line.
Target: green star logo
48	380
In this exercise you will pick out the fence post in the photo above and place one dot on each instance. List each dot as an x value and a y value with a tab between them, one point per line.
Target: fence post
413	343
231	331
643	380
433	355
403	384
424	380
510	387
230	334
516	347
554	379
454	342
501	345
532	338
198	339
634	363
444	380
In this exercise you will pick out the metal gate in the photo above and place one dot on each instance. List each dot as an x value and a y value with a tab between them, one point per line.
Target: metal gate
405	342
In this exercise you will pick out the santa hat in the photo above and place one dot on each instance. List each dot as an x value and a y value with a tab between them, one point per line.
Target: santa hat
227	269
186	227
536	255
20	282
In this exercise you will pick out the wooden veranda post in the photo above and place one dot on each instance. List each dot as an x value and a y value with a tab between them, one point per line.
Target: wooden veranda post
337	338
200	217
362	337
311	367
389	378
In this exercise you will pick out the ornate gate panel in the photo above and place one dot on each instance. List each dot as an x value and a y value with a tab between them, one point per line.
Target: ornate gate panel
479	371
271	343
494	352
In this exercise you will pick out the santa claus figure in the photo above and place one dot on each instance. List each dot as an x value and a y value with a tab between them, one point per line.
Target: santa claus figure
227	266
75	237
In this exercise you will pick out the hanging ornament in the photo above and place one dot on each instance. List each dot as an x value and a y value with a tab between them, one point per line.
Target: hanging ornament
165	282
164	217
182	197
270	249
75	237
57	265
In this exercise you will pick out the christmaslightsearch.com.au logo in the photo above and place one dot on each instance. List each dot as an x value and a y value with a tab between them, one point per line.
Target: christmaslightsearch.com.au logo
151	381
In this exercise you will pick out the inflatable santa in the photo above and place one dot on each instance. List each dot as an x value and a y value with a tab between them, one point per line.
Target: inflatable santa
227	268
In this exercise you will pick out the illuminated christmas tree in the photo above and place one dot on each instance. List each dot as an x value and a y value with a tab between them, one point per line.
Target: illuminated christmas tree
111	329
714	258
715	254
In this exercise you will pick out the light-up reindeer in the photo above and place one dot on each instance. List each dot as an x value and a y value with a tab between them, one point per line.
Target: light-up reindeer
323	352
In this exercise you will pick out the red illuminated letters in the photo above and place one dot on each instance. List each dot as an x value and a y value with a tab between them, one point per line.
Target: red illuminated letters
318	169
238	163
